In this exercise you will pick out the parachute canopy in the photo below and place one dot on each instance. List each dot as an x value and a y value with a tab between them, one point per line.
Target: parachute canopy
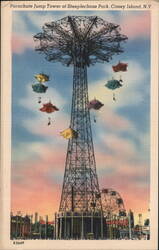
42	77
120	67
69	133
48	108
95	104
39	88
113	84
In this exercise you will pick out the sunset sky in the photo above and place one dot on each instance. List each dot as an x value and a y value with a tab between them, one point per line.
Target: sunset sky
120	136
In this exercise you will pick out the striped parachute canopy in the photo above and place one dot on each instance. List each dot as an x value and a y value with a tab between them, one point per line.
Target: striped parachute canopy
48	108
39	88
69	133
113	84
95	104
120	67
42	77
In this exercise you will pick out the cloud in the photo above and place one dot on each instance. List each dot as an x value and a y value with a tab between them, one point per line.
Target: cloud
46	152
119	155
137	26
38	124
39	19
20	25
21	43
30	100
132	25
129	94
23	36
37	180
111	125
45	165
40	197
132	193
130	179
111	120
119	146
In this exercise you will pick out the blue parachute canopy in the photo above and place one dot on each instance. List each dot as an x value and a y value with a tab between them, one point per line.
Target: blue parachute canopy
113	84
39	88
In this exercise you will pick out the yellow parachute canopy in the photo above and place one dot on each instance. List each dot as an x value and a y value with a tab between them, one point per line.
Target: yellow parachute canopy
42	77
69	133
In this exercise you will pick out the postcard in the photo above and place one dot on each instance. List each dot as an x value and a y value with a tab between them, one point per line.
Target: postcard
79	125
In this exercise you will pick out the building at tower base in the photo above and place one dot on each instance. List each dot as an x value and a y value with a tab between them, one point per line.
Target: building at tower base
80	225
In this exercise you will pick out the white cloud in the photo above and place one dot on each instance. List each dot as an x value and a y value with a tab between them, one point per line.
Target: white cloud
38	124
144	145
21	152
120	146
104	15
19	24
30	101
39	19
129	94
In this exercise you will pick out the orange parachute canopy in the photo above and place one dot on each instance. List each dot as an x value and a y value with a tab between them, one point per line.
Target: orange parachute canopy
48	108
120	67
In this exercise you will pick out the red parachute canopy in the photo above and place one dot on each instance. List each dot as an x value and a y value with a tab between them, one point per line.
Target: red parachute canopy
120	67
48	108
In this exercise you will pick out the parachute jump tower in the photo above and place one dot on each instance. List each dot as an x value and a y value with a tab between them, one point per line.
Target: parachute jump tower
80	41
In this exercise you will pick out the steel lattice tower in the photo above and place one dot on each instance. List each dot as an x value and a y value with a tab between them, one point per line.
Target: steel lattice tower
79	41
80	187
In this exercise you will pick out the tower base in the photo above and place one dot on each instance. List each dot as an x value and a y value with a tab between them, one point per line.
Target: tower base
80	225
